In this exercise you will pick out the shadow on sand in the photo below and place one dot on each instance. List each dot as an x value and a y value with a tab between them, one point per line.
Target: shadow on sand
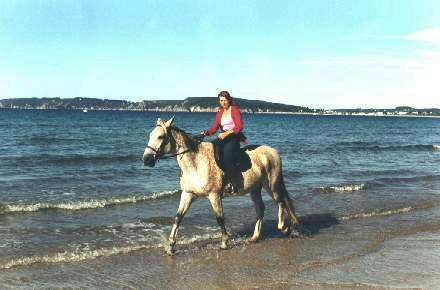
309	225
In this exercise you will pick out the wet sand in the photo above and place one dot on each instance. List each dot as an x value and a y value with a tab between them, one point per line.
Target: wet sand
396	251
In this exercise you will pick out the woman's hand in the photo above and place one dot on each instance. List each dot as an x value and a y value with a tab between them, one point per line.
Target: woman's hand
223	135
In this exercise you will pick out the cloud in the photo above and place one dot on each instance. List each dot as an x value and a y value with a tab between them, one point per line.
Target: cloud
431	35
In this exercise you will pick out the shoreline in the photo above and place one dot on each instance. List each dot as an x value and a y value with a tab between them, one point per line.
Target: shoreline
214	111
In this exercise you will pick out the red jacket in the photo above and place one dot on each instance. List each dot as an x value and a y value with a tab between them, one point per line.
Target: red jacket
236	117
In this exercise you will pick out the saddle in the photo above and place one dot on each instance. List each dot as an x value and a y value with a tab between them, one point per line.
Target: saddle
243	162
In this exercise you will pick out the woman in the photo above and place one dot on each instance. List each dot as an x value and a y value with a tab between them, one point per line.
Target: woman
228	119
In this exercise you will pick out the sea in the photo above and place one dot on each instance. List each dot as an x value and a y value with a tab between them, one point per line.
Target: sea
73	187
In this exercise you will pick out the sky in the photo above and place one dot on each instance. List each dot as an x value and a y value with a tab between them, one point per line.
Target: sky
319	54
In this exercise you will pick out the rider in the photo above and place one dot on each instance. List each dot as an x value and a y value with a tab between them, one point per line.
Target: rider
229	120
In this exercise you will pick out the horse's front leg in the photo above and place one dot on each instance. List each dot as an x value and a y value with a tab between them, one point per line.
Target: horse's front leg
186	199
216	202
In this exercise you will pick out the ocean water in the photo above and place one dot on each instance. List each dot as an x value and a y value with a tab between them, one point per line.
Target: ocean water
73	186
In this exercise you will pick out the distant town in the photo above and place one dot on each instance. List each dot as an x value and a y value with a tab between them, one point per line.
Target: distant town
397	111
202	104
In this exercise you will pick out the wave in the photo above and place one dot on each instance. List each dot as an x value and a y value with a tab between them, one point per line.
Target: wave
377	213
293	174
385	172
403	180
84	204
88	254
74	256
73	159
155	226
343	188
407	148
48	140
356	143
419	147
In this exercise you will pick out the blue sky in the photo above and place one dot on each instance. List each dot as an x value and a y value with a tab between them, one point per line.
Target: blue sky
326	54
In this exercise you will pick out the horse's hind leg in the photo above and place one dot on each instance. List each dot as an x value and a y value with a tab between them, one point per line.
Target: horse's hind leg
281	226
259	209
290	209
280	194
281	207
217	206
186	199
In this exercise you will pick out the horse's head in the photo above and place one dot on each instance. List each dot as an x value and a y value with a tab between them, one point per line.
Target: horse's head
159	142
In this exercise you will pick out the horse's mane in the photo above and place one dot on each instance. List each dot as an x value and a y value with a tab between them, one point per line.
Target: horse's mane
182	138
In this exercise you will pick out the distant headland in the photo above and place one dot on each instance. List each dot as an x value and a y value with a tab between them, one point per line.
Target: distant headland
203	104
200	104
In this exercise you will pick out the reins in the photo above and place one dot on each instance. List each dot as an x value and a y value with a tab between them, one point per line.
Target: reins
162	157
159	152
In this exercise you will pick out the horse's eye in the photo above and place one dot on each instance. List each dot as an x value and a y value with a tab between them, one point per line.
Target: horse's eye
160	137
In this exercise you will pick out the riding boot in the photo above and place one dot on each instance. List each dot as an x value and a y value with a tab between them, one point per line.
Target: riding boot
231	187
233	181
235	188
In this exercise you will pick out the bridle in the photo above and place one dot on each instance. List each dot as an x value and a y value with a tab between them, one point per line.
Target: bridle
158	153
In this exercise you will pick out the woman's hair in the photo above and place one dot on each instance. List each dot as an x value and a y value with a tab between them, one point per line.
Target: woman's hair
226	95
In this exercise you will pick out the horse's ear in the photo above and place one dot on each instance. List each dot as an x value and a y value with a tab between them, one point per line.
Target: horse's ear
159	121
170	122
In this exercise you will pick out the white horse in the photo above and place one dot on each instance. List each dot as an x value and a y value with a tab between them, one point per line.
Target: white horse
201	176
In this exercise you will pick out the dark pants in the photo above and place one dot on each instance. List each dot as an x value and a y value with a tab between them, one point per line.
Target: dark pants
228	153
230	149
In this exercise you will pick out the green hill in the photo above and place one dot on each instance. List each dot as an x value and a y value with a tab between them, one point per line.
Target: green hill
203	104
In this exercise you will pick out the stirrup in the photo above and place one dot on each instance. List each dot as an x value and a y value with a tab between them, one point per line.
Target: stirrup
230	187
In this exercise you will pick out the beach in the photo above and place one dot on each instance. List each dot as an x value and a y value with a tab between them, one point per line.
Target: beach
378	252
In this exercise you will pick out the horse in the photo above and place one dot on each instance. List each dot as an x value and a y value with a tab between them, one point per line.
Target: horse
201	176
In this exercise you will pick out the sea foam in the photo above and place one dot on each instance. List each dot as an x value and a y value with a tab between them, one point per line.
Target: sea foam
89	254
83	204
376	213
343	188
74	256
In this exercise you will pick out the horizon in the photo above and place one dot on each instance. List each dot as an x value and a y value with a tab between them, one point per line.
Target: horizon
320	108
377	54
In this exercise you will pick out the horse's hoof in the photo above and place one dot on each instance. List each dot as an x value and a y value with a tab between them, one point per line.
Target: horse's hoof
295	233
284	230
252	240
169	250
223	245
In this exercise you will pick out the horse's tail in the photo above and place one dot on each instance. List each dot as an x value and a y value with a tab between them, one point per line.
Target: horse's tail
274	183
285	198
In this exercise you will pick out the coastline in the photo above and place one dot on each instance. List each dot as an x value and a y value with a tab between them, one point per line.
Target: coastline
215	110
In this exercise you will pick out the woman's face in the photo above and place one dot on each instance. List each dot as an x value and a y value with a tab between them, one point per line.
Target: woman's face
224	103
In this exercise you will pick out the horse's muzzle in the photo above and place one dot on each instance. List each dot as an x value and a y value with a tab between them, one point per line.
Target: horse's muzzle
150	162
